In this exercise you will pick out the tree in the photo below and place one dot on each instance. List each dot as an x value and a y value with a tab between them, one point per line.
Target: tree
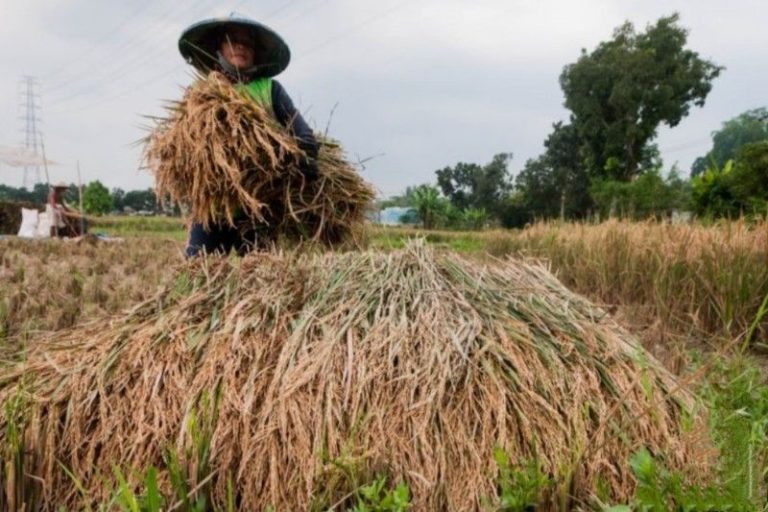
474	186
458	183
739	187
475	218
750	178
556	183
428	205
139	200
401	201
648	195
540	194
96	198
118	196
621	92
746	128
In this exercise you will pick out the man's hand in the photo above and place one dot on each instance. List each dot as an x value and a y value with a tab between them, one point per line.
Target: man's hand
309	170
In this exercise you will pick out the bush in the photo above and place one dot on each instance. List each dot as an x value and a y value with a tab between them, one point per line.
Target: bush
739	187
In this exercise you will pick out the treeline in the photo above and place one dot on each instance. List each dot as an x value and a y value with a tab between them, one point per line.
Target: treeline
603	161
97	198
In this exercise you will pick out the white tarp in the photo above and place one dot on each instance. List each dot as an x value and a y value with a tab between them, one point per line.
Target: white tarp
21	157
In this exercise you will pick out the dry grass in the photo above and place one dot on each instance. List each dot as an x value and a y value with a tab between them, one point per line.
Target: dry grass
227	159
48	285
414	364
689	281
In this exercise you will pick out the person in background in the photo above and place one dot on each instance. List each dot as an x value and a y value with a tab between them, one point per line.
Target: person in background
249	54
65	221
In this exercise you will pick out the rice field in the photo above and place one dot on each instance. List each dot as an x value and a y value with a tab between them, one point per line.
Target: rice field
149	383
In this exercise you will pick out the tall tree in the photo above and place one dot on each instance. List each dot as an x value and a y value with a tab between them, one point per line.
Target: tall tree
556	183
746	128
620	93
118	195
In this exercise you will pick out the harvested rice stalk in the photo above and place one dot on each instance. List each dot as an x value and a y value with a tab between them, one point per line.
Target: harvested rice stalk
228	159
413	364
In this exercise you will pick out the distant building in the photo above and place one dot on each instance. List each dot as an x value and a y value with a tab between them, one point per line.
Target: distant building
392	216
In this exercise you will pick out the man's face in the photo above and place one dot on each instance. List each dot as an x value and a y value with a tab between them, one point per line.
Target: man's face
237	47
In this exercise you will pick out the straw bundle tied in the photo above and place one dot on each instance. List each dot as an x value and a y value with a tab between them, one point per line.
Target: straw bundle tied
228	159
413	364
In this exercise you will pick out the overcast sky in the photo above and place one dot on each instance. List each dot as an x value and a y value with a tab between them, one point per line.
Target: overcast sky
420	84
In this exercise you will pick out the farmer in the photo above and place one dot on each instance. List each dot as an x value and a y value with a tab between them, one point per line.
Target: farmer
65	221
249	54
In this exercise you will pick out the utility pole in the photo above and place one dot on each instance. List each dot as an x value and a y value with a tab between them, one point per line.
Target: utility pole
31	131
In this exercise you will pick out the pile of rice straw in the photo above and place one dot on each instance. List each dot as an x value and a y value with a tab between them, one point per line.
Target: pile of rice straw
228	159
415	365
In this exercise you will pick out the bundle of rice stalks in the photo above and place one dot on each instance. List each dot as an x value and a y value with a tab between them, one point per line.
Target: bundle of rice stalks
228	159
283	380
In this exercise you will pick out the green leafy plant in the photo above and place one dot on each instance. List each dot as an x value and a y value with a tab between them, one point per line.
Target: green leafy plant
520	485
376	497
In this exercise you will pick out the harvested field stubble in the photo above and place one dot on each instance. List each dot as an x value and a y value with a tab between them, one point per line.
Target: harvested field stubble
47	285
413	364
228	159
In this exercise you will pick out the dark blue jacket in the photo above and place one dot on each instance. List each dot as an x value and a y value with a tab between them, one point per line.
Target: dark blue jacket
290	117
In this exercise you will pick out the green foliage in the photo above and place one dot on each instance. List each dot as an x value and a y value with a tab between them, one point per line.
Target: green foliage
402	201
750	178
475	218
428	205
376	497
135	200
520	485
17	490
739	187
736	395
649	195
711	192
38	194
556	183
660	490
187	473
620	93
746	128
475	186
96	198
140	200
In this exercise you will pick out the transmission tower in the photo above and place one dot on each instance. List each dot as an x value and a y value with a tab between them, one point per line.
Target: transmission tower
30	130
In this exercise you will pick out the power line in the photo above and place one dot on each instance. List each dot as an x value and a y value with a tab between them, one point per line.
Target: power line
113	57
124	67
110	33
131	66
351	30
137	87
688	145
305	12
